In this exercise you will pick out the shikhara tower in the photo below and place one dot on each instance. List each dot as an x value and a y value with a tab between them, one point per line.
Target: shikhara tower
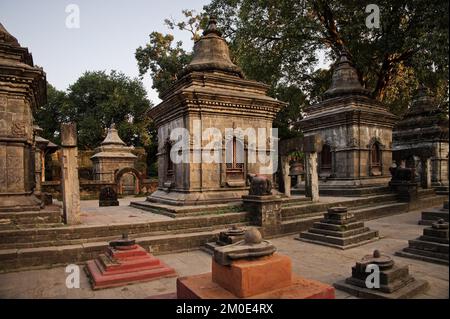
214	91
357	134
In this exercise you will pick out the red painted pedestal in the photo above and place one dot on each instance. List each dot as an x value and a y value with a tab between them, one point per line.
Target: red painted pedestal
263	278
125	265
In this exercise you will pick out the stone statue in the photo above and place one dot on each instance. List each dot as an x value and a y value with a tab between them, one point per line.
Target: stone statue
402	174
259	185
108	197
252	246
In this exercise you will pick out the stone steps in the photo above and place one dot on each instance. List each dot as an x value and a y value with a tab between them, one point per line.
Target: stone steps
50	256
296	211
51	216
187	211
81	234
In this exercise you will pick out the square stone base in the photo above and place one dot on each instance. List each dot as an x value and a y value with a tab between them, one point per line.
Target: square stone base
202	287
408	291
245	278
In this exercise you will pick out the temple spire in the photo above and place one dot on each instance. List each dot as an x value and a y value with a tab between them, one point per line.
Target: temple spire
211	53
345	79
7	38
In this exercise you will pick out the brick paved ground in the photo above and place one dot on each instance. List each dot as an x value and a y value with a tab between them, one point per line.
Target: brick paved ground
312	261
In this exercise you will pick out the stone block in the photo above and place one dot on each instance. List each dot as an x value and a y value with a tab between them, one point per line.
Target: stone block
245	278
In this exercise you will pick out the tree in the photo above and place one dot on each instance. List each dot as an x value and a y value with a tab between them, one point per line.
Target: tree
279	42
94	102
49	116
410	46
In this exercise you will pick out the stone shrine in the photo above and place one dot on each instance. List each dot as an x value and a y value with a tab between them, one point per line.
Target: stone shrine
23	88
395	281
339	229
211	92
356	131
125	263
251	269
112	156
422	136
431	215
230	236
432	246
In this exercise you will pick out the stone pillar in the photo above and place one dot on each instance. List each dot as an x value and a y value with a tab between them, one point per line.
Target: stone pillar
265	212
313	177
38	169
286	178
69	174
426	173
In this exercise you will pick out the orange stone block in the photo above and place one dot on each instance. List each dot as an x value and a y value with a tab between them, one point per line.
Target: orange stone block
245	278
202	287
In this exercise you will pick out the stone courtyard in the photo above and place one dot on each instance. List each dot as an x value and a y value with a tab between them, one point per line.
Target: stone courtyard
235	211
313	261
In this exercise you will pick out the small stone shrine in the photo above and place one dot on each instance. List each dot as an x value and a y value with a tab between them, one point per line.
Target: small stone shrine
108	197
403	183
423	133
251	269
356	131
395	282
429	216
112	155
339	229
432	246
211	93
228	237
125	263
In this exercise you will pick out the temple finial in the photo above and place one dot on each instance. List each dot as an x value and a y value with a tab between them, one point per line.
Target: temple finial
212	26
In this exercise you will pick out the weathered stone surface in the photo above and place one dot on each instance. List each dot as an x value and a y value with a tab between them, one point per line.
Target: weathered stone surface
265	211
423	133
395	281
22	90
434	214
353	126
125	263
260	185
339	229
251	247
113	160
70	182
211	92
432	246
108	197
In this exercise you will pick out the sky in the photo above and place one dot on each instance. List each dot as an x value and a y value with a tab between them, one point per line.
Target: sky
109	33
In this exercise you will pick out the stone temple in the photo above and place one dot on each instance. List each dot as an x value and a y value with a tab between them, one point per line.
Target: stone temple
112	158
356	130
421	140
23	88
211	91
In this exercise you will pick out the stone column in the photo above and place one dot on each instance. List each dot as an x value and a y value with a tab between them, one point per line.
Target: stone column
69	174
313	182
426	173
265	212
286	178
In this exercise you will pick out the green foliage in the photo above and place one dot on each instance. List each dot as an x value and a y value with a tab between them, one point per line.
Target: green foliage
94	102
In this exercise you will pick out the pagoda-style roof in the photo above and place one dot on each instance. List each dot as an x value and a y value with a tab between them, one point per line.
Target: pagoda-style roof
16	66
345	80
346	101
424	120
211	53
113	146
112	137
213	83
7	38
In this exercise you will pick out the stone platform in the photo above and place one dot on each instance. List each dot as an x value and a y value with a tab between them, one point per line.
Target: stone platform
125	264
264	278
432	246
339	229
429	216
395	282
